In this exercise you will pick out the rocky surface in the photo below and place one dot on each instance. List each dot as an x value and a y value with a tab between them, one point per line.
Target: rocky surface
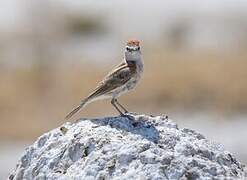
138	147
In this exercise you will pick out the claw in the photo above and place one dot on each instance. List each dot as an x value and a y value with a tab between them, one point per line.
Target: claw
128	115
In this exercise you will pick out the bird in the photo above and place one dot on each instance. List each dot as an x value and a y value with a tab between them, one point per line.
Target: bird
123	78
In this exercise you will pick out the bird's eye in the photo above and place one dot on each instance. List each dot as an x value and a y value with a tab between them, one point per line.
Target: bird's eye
138	48
128	49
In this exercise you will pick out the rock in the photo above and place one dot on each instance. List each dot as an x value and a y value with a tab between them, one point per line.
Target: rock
138	147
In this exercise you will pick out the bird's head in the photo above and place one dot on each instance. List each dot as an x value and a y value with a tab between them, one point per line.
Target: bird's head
132	50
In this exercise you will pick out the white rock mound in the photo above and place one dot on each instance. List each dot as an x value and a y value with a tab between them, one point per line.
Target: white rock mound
141	147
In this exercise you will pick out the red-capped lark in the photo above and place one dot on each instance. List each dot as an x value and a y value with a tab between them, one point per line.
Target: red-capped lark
120	80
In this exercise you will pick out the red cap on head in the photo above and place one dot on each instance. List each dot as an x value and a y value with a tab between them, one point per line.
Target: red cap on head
132	42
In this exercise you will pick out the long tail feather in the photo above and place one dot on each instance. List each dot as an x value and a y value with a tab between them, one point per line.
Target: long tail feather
75	110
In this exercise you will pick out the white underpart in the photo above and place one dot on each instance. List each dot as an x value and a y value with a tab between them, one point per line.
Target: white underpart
134	80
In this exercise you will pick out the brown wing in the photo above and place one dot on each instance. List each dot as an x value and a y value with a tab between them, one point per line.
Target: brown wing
114	79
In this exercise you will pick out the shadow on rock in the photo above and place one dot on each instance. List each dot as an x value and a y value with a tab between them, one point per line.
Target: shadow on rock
138	125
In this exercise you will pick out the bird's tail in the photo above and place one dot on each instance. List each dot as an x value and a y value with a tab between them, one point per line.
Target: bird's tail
75	110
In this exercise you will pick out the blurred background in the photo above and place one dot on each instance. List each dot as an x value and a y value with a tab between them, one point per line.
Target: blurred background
54	52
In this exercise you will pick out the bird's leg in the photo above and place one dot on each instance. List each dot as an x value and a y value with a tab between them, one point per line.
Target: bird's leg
123	108
113	103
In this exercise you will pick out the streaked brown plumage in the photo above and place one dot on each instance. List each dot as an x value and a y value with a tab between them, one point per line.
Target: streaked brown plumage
120	80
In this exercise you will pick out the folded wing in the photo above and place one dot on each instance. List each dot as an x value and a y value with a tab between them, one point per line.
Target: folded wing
113	80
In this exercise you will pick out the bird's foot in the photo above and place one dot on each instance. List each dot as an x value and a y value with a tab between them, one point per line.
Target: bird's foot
131	113
128	115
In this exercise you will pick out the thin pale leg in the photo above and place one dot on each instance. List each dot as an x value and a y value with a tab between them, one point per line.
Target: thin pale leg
123	108
113	103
